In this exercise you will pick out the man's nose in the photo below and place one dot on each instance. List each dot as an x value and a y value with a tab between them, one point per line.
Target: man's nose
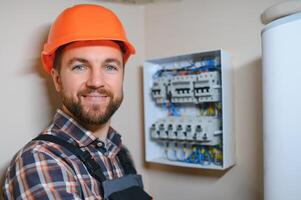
95	79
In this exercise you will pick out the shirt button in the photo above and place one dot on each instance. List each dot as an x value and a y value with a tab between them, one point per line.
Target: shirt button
99	144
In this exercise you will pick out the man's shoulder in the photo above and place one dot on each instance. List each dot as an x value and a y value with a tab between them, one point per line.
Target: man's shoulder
36	150
30	150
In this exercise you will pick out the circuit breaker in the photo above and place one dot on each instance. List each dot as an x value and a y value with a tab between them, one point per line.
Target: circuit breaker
188	110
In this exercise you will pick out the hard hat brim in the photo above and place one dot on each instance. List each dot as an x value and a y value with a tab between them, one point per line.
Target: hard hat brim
47	56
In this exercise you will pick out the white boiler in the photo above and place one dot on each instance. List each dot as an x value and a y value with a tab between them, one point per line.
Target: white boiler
281	63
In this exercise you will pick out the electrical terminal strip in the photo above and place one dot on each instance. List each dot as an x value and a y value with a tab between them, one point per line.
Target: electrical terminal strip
188	128
208	131
191	153
207	87
159	129
199	88
153	132
171	133
159	90
205	130
208	62
182	89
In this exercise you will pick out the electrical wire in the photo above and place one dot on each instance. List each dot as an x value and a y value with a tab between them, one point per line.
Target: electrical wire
194	68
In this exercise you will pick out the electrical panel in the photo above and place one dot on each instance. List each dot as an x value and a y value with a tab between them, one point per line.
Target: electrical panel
188	110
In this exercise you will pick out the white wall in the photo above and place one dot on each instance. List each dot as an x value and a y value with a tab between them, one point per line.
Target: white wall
28	99
196	25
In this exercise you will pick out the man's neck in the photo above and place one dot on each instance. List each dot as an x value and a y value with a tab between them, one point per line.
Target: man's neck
99	131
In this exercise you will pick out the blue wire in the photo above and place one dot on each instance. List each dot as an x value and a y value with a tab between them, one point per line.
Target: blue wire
209	65
173	110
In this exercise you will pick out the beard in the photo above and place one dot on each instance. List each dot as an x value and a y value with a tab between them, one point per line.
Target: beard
92	114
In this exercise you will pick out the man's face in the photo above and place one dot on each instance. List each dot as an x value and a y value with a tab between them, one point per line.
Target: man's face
90	81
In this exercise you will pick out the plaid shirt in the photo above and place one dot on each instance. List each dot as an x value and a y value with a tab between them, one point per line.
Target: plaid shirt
44	170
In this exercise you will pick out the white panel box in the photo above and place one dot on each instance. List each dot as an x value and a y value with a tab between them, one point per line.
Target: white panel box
188	111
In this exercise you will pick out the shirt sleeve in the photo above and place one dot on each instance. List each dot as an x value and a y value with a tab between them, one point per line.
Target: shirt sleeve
39	175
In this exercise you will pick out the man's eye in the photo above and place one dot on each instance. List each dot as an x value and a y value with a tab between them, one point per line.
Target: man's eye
78	67
111	68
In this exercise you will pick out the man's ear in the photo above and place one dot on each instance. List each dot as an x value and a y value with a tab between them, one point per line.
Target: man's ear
56	80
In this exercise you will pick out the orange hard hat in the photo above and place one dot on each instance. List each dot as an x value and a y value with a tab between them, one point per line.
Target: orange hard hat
80	23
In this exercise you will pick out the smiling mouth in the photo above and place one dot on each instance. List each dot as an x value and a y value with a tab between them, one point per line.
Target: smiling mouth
95	97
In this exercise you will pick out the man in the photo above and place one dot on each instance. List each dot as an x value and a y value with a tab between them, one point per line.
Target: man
85	54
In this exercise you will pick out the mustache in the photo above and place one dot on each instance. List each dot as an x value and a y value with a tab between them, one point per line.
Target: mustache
101	91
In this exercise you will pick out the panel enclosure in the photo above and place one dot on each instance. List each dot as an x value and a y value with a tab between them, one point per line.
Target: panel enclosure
188	110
